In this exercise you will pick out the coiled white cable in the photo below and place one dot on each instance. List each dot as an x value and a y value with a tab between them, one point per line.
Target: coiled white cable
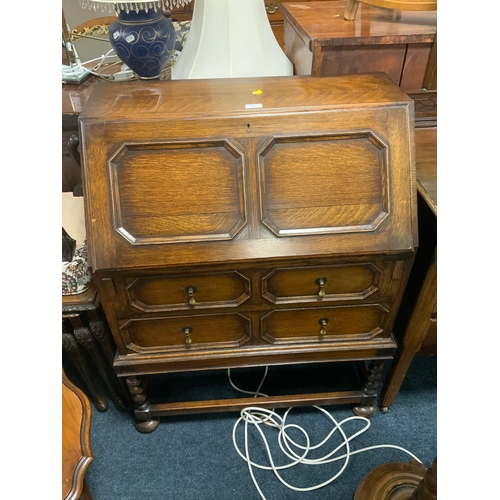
262	416
79	69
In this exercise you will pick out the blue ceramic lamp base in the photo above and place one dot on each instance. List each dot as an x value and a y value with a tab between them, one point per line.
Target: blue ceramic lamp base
144	39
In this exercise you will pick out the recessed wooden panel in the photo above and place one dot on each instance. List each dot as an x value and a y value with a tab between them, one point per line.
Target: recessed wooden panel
163	293
416	61
167	334
341	282
156	192
324	184
343	323
347	60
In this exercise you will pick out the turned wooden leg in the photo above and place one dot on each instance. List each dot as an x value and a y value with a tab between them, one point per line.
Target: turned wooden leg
85	338
371	379
144	422
70	346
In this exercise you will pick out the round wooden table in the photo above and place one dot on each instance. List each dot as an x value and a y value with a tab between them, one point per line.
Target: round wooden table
76	451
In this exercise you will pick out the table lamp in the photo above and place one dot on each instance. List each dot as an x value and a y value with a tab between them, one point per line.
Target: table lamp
142	36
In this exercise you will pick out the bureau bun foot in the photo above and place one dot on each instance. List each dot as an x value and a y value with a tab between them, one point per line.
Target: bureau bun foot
366	411
148	426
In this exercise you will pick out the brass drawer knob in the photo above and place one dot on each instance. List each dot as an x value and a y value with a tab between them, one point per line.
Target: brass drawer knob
187	332
271	7
191	290
321	282
323	322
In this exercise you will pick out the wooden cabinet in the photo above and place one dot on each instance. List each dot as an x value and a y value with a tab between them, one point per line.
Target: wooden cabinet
229	227
319	41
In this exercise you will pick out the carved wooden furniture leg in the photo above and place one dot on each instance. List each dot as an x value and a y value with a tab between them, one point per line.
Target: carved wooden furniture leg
103	337
144	422
371	378
97	329
84	337
70	345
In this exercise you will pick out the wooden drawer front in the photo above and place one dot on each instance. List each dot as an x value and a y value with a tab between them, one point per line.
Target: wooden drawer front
185	332
340	282
341	323
170	293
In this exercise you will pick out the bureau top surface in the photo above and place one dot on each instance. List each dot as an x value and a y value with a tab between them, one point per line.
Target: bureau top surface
323	23
186	99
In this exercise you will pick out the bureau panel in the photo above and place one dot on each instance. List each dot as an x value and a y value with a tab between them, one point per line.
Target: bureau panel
170	293
324	184
330	324
156	191
338	282
185	332
324	167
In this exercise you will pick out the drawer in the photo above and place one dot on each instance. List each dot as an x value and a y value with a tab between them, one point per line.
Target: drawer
185	332
170	293
341	282
328	324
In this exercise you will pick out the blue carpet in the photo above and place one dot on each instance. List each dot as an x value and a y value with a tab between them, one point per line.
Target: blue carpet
193	457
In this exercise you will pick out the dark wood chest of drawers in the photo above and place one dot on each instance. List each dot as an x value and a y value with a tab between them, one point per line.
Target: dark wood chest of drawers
249	222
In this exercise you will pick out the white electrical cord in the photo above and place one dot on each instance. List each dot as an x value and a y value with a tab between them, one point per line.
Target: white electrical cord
259	416
79	69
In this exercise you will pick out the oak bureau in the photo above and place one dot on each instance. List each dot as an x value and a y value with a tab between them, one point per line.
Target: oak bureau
249	222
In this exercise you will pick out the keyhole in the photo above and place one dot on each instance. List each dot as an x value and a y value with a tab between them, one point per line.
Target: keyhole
249	129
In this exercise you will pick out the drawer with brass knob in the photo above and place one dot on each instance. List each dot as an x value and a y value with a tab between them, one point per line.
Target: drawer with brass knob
176	333
368	281
333	324
187	292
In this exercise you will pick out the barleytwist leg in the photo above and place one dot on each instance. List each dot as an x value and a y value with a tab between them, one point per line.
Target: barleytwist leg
371	379
144	422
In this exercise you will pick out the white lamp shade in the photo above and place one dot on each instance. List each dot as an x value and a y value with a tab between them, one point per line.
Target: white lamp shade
230	39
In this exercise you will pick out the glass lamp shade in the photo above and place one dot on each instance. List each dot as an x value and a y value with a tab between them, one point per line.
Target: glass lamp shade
230	38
